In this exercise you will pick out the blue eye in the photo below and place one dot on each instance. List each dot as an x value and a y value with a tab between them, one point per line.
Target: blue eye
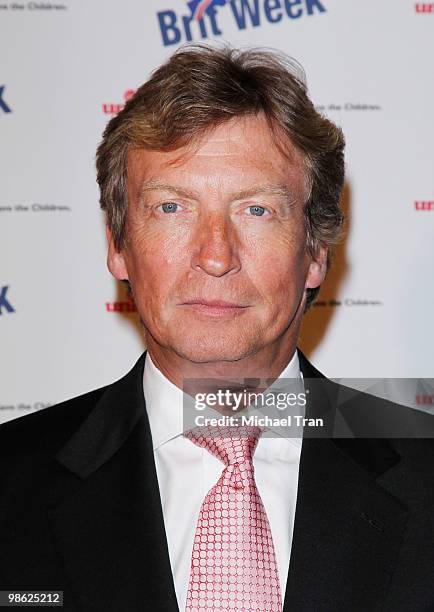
169	207
258	211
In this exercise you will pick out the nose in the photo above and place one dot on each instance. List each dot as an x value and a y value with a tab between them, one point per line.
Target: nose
215	246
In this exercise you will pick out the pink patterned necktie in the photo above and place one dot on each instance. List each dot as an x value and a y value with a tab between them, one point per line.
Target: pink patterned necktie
233	565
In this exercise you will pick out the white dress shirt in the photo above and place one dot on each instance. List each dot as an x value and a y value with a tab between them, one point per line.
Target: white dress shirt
186	473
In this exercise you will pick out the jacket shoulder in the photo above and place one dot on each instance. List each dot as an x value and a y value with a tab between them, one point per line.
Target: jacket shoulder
45	432
49	428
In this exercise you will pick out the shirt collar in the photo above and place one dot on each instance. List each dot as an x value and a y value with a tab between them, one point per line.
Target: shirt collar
164	401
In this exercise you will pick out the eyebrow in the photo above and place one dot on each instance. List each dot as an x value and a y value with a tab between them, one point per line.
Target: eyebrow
156	185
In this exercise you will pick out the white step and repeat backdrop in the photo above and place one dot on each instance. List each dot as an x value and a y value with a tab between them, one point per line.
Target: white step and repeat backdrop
66	67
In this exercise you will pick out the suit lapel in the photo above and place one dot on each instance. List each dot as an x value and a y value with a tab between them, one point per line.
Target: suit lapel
109	527
348	529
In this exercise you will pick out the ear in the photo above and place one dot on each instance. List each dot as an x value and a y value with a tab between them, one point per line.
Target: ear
115	259
317	269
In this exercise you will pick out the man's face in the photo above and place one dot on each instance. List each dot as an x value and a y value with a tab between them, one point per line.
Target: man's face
215	249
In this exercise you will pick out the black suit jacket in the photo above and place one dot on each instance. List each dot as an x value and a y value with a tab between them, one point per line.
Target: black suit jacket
80	511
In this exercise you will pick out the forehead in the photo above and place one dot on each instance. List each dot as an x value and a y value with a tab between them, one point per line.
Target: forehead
234	154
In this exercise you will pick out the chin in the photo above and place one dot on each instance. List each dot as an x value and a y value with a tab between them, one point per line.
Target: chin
213	348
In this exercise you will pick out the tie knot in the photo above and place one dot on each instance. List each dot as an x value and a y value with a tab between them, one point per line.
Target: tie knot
232	444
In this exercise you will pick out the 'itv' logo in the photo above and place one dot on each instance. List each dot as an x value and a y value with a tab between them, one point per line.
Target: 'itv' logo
202	20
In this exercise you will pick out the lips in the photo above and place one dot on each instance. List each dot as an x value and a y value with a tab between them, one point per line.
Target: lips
213	303
214	307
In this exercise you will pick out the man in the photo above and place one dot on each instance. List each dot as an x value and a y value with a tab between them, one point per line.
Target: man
221	187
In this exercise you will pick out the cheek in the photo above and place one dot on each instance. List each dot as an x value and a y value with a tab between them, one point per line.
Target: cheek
277	267
158	241
156	258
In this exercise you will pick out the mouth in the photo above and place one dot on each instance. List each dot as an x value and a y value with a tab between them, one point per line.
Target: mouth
214	307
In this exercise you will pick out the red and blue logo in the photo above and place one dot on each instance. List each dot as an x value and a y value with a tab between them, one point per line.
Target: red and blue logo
202	20
198	7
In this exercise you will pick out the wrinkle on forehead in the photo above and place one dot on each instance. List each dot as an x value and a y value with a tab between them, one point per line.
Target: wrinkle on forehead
204	143
249	140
